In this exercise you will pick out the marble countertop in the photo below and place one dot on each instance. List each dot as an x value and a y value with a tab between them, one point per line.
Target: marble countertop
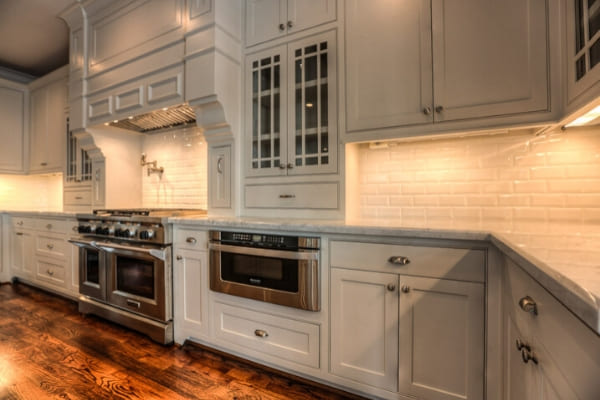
563	258
41	213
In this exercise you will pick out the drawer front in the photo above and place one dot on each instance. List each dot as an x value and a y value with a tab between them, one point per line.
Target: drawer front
190	239
78	197
299	195
434	262
51	246
23	222
51	272
283	338
566	342
52	225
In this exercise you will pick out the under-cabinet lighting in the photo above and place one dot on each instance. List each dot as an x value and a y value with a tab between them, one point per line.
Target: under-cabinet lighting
115	121
586	118
130	117
165	108
309	105
106	123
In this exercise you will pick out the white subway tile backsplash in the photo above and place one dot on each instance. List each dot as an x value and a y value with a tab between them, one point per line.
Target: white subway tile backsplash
514	180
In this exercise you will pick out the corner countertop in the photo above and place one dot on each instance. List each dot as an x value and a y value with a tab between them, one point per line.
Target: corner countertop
563	258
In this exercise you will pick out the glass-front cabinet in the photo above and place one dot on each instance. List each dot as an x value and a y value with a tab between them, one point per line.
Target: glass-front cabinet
291	110
79	164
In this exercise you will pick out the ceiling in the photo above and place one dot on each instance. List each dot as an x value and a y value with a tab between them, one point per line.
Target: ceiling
34	40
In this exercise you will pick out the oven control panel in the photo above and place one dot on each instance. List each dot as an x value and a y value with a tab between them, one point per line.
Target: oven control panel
144	232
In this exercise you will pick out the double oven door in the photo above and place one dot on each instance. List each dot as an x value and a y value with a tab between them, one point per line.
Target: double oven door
133	278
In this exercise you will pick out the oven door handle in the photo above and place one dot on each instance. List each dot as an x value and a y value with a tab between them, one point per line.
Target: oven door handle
161	254
260	252
83	243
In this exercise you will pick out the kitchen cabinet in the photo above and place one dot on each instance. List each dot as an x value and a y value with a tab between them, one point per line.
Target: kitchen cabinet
47	136
291	111
190	278
583	52
13	109
549	353
22	248
270	19
219	172
420	62
395	329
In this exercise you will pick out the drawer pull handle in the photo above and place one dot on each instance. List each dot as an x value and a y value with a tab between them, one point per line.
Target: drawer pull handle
529	305
20	223
391	287
261	333
191	240
287	196
49	226
51	273
43	164
405	289
50	246
133	303
78	197
527	356
398	260
179	258
19	233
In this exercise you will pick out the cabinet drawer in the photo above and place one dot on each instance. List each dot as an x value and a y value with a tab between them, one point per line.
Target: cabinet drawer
553	327
190	239
52	225
51	246
434	262
284	338
23	222
298	195
51	272
78	197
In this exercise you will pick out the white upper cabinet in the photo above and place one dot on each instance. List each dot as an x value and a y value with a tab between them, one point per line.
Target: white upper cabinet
417	62
48	126
291	108
583	52
13	98
270	19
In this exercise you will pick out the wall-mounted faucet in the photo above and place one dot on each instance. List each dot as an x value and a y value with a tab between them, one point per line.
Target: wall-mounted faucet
152	168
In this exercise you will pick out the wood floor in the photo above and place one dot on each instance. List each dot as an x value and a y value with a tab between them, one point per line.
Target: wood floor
49	351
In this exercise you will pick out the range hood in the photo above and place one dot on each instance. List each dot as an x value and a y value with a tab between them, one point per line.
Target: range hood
178	116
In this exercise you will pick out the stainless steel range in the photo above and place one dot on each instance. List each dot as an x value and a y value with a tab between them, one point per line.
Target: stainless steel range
126	270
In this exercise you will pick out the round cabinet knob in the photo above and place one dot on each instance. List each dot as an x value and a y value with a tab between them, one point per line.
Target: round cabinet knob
261	333
427	110
49	226
50	246
405	288
179	258
527	355
290	24
391	287
529	305
439	109
398	260
282	27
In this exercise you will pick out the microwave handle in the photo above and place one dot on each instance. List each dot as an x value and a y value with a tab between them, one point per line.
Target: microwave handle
260	252
110	247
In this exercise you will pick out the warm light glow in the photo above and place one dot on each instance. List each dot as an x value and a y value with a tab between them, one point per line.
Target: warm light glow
165	108
115	121
585	118
309	105
106	123
130	117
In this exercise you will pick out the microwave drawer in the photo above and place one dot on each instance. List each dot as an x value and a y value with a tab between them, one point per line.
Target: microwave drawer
296	195
432	262
266	334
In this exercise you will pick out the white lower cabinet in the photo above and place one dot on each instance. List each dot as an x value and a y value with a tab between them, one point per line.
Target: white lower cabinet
408	335
190	285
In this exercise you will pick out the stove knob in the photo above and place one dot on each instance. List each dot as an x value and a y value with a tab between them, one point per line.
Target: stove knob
129	232
81	229
119	232
147	234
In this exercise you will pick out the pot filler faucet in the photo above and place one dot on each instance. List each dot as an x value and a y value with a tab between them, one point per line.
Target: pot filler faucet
152	168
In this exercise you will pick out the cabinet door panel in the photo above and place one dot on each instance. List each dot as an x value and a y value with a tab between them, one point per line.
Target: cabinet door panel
307	13
388	64
441	338
56	130
364	327
490	58
37	130
12	106
263	18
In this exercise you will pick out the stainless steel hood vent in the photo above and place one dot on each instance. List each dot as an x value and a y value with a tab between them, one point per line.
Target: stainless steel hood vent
176	116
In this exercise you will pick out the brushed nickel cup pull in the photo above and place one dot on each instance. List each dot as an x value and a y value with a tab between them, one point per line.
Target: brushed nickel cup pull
391	287
191	240
405	288
179	258
427	110
261	333
398	260
529	305
287	196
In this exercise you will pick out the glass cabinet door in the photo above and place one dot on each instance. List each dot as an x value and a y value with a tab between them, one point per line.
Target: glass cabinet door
312	110
265	108
587	28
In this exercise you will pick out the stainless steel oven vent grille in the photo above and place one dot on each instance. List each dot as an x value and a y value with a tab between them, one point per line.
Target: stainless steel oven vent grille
177	116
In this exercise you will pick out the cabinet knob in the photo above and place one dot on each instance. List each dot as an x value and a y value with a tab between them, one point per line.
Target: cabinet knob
529	305
527	355
49	272
439	109
49	226
20	223
290	166
179	258
290	24
43	164
398	260
427	110
261	333
391	287
282	166
50	246
405	288
282	27
191	240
